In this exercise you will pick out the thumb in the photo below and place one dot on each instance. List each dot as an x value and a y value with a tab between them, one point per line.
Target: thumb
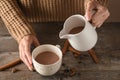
88	16
36	42
88	11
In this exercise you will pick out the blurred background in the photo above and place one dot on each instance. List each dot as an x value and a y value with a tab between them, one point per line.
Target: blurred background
114	6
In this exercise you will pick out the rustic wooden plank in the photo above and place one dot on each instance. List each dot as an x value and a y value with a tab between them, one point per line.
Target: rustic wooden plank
107	50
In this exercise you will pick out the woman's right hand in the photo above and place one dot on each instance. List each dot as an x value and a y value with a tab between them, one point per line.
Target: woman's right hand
100	15
24	49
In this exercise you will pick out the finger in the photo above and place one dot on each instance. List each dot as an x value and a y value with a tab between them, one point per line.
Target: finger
27	52
101	21
99	15
26	61
20	52
36	42
23	57
98	20
96	23
100	25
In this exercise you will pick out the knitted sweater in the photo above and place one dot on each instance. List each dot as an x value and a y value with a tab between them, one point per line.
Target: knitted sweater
16	14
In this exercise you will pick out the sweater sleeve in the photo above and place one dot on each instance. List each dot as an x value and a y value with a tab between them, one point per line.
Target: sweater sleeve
14	20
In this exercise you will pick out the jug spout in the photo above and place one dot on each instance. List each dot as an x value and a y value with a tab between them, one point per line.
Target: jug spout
64	35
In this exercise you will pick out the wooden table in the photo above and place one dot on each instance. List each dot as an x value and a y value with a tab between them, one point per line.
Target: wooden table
107	49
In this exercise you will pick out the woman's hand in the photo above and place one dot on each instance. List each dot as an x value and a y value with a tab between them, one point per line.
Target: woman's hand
24	49
100	15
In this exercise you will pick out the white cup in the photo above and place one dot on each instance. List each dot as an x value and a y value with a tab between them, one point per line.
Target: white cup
47	70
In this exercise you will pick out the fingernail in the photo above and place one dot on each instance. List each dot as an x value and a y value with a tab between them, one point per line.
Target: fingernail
31	69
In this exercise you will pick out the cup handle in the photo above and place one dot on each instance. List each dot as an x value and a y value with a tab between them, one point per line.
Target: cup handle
57	45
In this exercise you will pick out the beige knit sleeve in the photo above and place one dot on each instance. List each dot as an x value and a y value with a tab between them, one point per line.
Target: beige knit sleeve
14	20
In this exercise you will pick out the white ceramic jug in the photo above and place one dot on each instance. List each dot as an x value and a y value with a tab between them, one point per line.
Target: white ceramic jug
85	39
